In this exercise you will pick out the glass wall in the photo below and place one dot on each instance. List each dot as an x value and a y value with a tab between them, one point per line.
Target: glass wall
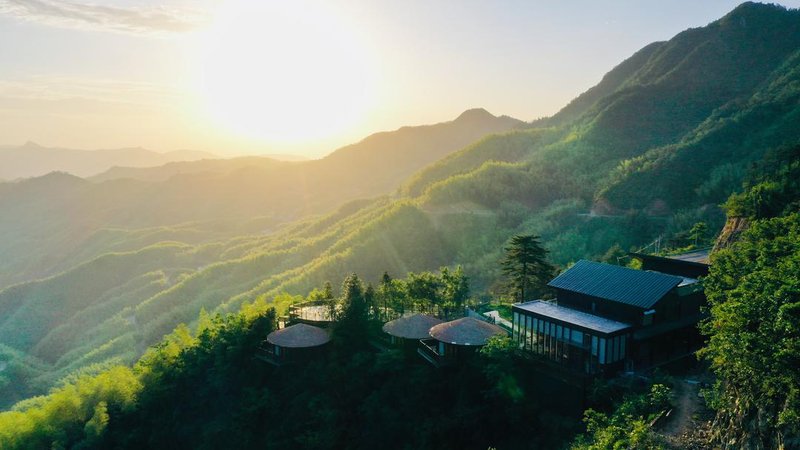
581	350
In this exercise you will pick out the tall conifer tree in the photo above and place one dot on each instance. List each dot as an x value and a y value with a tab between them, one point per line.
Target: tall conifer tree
526	267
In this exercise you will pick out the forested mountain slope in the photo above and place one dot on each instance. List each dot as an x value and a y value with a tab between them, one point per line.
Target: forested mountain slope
754	323
51	223
719	97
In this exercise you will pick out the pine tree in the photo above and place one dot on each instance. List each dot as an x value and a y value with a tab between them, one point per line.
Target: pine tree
384	293
350	328
329	299
526	267
369	300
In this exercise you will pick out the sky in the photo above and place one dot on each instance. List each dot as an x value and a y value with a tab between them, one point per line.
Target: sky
303	76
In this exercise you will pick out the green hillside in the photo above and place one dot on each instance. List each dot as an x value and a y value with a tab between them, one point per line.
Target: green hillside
664	139
53	222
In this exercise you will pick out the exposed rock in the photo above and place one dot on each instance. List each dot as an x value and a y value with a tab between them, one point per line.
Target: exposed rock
731	231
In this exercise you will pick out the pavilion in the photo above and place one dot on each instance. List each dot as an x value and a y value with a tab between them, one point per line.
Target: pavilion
457	339
299	342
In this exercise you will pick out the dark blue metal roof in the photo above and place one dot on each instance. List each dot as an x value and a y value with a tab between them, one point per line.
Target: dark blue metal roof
638	288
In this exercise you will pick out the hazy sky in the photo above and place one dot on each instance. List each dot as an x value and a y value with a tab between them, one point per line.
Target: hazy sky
303	76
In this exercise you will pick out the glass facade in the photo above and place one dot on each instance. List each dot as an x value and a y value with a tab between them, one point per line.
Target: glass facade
578	349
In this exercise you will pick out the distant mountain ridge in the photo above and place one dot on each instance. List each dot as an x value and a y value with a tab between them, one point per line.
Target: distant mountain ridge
31	160
247	194
386	157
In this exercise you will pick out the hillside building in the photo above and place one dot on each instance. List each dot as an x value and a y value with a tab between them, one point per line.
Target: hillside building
608	319
406	332
456	340
295	343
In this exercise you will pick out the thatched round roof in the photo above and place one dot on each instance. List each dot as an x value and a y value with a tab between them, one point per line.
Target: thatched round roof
299	336
416	326
466	331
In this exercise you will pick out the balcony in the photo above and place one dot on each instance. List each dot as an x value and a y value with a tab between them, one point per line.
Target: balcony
428	350
267	354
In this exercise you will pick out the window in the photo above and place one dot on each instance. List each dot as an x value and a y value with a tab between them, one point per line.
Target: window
594	345
577	337
611	355
528	333
543	326
602	357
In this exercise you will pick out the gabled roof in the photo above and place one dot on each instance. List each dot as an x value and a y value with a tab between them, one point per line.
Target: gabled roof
299	336
573	317
637	288
466	331
416	326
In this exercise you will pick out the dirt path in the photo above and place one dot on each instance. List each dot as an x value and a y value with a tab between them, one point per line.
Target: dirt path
689	424
687	403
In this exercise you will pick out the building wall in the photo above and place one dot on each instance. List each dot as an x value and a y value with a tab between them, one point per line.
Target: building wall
601	307
578	349
674	267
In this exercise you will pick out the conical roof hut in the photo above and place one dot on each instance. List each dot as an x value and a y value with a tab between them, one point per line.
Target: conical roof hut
299	336
415	326
466	331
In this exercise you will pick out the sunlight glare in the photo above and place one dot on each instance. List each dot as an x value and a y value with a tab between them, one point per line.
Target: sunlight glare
284	71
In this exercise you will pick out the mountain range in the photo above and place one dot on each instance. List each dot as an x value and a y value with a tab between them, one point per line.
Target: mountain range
98	269
32	160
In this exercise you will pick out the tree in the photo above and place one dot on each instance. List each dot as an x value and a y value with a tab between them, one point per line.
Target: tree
455	287
385	292
753	291
424	289
369	300
350	327
526	267
615	255
698	232
329	299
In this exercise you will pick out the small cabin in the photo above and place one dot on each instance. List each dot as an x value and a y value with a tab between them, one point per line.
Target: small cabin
406	332
458	339
295	343
608	318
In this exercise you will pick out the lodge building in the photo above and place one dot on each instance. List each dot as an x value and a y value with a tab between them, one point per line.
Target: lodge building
608	319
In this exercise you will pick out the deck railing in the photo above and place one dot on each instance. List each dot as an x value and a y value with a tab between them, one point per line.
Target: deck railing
267	354
428	350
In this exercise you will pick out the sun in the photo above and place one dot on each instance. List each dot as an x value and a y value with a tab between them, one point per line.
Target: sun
289	71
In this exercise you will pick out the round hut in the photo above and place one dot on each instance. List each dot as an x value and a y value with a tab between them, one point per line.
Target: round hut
462	336
296	343
406	331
